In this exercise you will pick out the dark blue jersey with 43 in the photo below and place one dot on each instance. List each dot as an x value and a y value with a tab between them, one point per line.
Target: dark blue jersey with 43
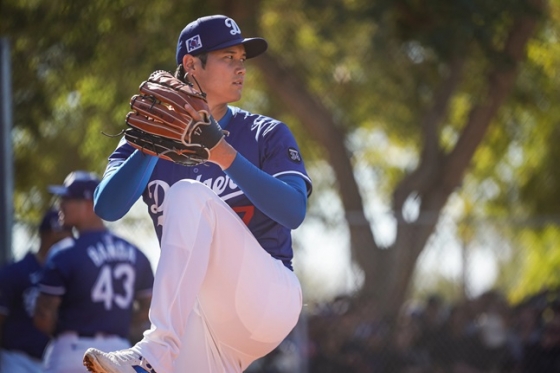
98	277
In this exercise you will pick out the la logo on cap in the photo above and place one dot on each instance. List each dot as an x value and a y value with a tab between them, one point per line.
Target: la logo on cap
213	33
233	26
193	43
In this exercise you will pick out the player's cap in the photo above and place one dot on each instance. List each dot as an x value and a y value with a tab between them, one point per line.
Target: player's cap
215	32
51	223
77	185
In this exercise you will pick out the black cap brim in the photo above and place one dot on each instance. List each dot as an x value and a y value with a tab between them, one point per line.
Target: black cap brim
255	46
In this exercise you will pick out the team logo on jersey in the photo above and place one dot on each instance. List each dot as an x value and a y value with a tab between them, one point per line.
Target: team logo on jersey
263	125
294	155
193	43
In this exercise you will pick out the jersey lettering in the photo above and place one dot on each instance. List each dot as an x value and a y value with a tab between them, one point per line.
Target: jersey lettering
111	251
245	213
157	190
103	289
218	185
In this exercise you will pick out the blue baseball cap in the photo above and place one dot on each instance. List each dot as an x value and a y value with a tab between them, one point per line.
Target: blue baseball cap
211	33
77	185
51	223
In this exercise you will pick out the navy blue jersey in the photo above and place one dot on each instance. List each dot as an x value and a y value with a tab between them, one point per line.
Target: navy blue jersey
18	292
98	277
265	142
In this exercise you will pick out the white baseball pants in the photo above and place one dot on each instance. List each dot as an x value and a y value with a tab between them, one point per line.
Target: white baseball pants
220	301
65	353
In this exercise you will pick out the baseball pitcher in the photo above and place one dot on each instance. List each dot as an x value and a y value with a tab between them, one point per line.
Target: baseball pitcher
224	188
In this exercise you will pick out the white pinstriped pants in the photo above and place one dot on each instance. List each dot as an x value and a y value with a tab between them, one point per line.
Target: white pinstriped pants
220	301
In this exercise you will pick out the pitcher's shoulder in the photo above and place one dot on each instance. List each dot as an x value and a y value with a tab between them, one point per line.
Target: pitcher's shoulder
261	124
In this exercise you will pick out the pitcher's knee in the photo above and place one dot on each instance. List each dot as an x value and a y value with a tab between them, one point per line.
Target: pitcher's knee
187	189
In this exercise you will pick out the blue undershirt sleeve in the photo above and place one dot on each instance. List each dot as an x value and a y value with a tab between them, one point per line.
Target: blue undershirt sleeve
122	185
283	199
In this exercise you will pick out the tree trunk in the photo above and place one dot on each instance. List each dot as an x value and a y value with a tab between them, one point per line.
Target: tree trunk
387	273
318	121
435	189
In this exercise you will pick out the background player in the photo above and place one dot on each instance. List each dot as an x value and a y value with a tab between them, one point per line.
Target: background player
90	285
225	293
22	344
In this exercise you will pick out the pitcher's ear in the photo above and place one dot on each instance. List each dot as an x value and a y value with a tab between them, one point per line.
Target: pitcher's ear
188	62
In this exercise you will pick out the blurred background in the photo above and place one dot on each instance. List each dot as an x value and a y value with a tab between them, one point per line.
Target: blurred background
430	130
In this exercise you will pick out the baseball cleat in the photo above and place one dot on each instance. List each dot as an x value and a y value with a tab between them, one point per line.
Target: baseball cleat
123	361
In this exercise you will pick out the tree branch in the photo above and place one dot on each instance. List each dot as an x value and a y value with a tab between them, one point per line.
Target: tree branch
422	177
500	83
317	120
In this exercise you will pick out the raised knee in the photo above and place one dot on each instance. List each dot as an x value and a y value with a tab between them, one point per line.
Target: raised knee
187	188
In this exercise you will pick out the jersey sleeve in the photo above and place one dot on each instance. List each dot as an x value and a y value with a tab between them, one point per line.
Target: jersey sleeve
54	273
125	178
281	155
119	155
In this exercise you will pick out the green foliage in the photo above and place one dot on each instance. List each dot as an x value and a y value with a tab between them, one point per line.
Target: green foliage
518	156
514	177
378	65
375	65
75	66
406	46
542	263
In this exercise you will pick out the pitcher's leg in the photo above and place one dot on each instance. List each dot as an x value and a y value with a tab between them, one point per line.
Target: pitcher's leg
185	251
199	351
205	350
261	302
249	301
